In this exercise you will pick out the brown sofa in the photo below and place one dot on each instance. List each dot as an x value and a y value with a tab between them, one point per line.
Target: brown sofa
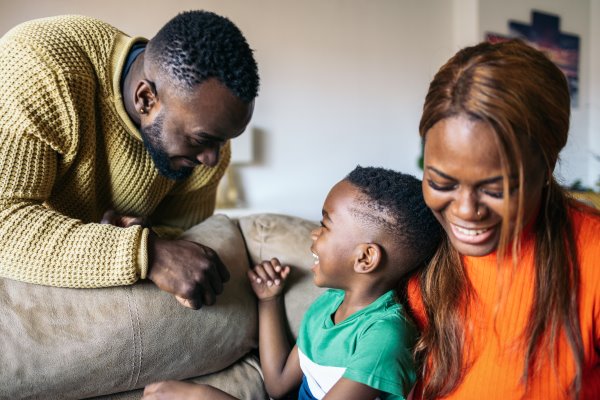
58	343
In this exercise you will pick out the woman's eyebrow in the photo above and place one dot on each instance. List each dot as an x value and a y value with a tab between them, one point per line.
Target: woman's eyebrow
440	173
493	179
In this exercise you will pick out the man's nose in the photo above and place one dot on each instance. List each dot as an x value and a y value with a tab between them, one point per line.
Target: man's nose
209	156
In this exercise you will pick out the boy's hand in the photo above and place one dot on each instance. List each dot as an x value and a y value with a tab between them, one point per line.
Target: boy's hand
174	390
171	390
267	279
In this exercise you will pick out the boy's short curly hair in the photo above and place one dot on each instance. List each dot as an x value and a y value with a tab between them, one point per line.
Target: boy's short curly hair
394	203
197	45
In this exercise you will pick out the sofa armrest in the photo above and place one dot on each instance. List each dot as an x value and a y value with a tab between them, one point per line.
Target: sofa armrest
76	343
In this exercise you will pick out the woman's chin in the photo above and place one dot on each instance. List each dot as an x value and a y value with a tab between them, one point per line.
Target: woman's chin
474	248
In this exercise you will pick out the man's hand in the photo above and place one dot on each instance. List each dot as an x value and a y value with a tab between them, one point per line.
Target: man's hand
267	279
192	272
123	221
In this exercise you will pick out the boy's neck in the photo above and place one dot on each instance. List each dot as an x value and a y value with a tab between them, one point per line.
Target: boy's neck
357	299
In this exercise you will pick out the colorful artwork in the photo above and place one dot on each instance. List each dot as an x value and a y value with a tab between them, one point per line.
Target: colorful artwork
544	34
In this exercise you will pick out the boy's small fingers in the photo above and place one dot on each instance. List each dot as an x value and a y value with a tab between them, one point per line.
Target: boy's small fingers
285	271
269	270
253	277
260	273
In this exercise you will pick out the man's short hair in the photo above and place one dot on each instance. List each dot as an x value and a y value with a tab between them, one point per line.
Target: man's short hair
197	45
393	202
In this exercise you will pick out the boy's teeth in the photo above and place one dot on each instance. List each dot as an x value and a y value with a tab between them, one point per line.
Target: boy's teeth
316	257
470	232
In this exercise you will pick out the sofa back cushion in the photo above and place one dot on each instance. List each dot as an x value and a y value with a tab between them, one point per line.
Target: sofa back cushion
288	239
76	343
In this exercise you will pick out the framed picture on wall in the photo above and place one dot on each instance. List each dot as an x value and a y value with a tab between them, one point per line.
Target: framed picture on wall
544	34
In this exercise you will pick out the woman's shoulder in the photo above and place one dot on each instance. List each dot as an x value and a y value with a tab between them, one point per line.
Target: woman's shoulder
586	223
586	229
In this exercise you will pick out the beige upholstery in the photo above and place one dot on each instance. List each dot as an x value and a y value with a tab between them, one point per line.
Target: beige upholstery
60	343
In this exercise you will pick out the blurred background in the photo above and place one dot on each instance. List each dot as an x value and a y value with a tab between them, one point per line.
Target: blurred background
343	82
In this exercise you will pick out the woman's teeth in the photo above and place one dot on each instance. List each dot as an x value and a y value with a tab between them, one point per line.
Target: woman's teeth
471	232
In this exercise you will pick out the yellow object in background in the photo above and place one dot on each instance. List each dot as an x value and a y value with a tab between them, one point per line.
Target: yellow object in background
591	198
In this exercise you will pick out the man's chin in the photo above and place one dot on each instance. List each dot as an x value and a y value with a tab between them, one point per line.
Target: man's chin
175	174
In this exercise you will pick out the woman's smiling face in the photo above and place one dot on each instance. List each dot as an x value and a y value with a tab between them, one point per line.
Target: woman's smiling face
463	184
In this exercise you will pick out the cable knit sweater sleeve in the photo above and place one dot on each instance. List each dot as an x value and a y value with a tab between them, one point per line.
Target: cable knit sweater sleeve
42	246
39	144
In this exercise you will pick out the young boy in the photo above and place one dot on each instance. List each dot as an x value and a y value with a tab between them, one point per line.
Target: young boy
354	341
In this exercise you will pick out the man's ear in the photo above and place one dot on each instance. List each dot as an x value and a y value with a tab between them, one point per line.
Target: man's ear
146	96
368	257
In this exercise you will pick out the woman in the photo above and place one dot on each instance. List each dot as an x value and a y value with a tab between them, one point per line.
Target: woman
510	304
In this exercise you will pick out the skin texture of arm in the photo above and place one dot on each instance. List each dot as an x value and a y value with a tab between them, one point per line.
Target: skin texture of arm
281	367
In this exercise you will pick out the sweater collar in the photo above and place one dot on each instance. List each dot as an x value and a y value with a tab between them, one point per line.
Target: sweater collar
121	49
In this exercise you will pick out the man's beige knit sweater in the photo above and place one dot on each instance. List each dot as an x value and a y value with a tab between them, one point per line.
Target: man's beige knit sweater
69	152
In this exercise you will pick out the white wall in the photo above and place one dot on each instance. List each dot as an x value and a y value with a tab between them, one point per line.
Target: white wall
343	81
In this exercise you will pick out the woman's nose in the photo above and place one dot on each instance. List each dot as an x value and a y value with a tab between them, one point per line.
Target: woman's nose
466	205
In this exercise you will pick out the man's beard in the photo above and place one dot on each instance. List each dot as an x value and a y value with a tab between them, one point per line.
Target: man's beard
152	136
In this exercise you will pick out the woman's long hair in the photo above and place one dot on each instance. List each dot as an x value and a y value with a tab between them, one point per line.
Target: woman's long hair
524	97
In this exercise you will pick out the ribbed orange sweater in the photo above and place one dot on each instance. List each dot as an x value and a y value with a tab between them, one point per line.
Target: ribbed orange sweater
69	152
499	320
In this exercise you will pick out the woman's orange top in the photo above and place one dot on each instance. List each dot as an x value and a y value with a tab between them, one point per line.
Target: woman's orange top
499	313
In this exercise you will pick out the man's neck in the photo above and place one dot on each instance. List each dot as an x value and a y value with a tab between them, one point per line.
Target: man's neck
135	74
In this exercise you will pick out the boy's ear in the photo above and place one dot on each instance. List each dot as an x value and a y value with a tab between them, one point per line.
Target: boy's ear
368	257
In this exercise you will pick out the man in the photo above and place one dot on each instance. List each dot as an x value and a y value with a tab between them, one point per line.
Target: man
96	126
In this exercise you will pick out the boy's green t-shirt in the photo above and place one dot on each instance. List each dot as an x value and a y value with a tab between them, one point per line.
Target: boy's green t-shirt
373	346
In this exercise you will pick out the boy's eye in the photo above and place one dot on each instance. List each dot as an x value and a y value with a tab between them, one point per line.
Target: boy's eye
442	187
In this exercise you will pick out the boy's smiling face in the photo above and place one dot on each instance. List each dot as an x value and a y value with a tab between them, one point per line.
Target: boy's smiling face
335	241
